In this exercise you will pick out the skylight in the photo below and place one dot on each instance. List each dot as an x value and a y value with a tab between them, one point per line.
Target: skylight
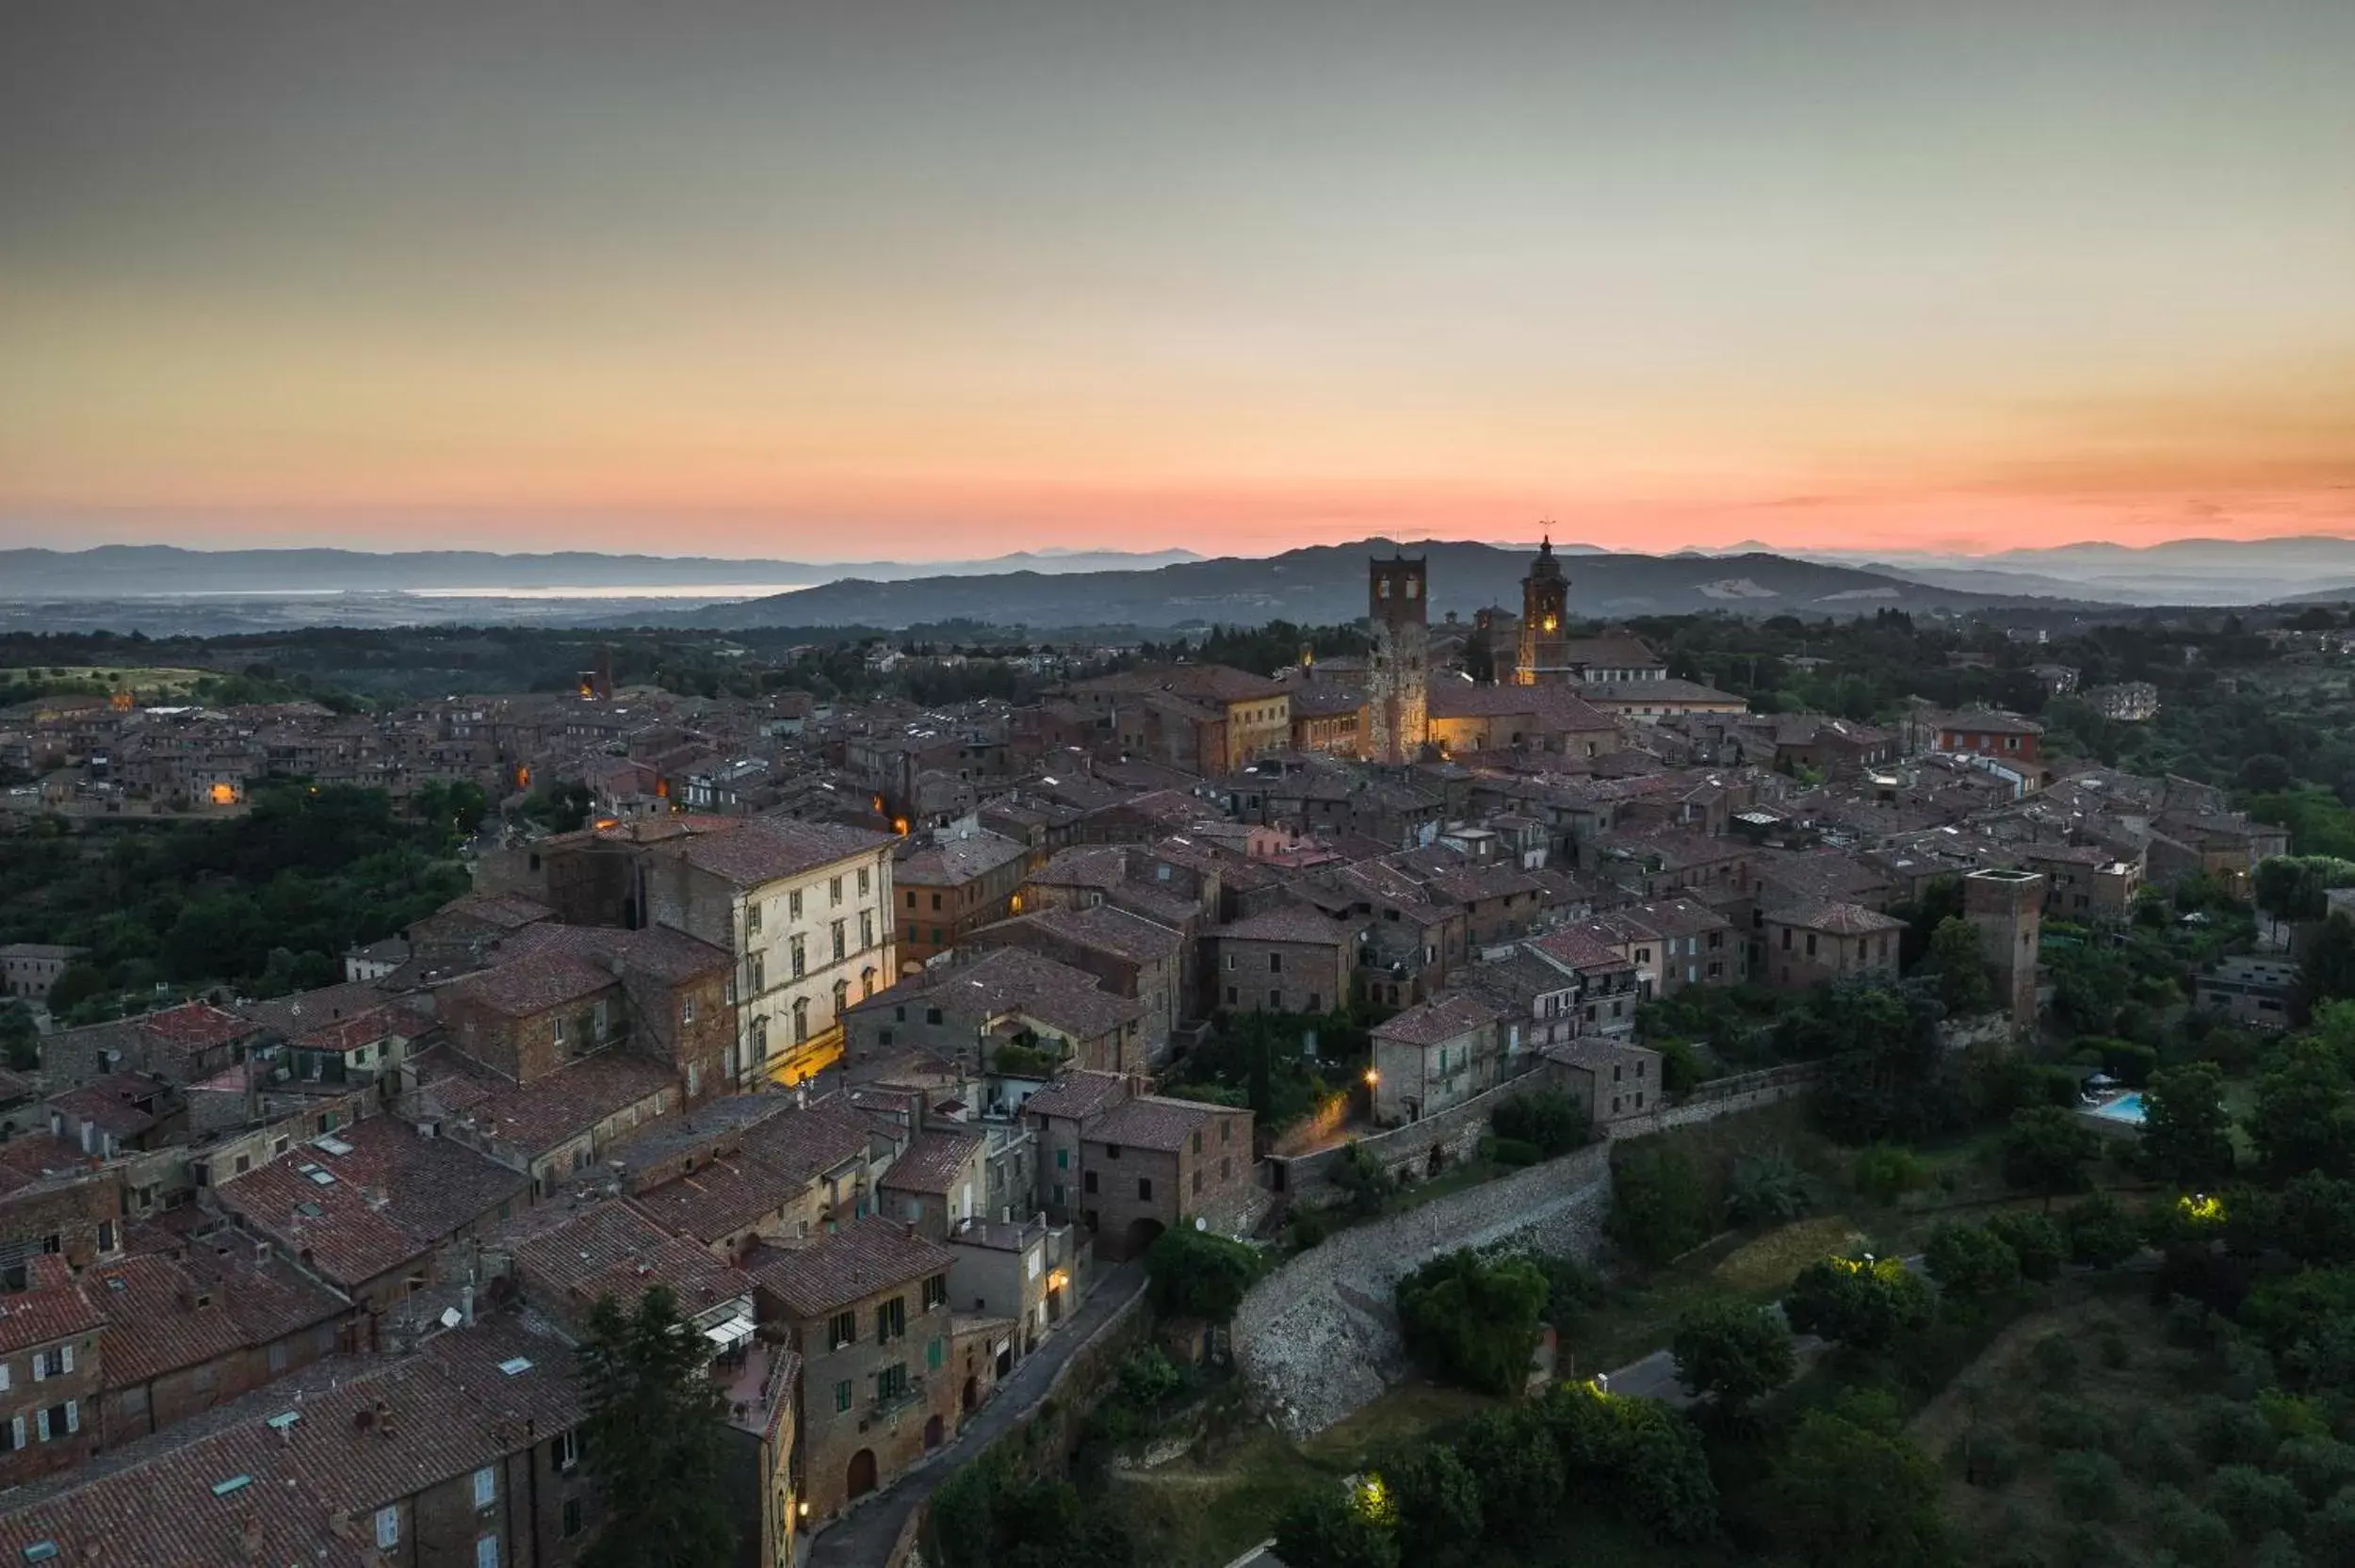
516	1364
325	1178
41	1551
234	1483
284	1418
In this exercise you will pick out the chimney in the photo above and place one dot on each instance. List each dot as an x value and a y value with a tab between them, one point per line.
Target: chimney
249	1537
465	1304
801	1096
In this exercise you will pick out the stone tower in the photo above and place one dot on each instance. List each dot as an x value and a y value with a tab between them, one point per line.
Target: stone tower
1545	597
1398	671
2007	908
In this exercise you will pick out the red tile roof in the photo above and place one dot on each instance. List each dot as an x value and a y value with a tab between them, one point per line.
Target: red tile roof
53	1308
865	1259
935	1162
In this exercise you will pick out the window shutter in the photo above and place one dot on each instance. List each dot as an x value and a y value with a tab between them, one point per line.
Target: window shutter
16	1432
74	1416
68	1353
40	1365
40	1422
4	1377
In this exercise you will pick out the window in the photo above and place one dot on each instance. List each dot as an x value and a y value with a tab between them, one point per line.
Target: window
793	904
559	1031
1087	1182
687	1013
1145	1186
840	949
1062	1162
800	1020
891	1320
573	1521
1197	1181
931	1015
1230	961
842	1330
935	1291
1810	944
843	1397
796	953
1232	998
760	1040
935	903
841	999
387	1529
866	928
604	1018
834	891
760	973
1275	963
863	883
486	1552
751	918
935	1353
486	1487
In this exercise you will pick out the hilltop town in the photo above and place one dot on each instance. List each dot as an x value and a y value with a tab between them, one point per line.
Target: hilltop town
889	1039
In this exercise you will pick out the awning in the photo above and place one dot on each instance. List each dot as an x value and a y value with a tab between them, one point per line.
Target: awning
731	1334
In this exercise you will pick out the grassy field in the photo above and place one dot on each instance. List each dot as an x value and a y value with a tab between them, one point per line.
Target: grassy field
146	680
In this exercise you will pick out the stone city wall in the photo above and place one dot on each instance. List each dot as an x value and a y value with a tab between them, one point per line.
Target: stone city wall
1455	1132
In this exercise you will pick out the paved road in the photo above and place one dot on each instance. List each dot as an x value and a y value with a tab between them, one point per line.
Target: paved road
864	1537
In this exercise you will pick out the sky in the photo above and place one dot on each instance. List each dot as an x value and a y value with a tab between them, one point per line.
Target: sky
931	281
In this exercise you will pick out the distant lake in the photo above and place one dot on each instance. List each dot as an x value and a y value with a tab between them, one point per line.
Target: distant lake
638	590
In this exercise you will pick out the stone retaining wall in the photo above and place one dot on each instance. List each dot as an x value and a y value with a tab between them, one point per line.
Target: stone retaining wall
1456	1132
1316	1339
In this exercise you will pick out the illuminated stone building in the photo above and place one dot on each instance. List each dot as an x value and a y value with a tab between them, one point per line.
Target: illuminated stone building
1545	593
1398	671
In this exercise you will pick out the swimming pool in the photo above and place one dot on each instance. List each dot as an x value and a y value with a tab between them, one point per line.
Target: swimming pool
2126	1108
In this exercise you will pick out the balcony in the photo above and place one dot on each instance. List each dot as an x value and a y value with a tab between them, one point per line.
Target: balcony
883	1407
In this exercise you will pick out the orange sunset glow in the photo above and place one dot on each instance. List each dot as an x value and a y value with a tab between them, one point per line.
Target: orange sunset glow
932	281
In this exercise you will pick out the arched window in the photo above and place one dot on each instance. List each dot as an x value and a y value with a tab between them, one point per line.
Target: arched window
841	999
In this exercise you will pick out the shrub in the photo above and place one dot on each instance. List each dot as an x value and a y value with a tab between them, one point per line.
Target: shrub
2065	1423
1510	1151
1659	1208
1325	1528
2229	1432
2253	1502
1987	1457
1570	1288
1857	1303
1886	1172
1546	1118
2034	1239
1766	1190
2054	1360
1733	1352
1200	1273
2331	1529
1365	1179
2197	1537
2101	1234
1967	1261
2278	1550
2088	1483
2156	1454
2317	1467
1310	1224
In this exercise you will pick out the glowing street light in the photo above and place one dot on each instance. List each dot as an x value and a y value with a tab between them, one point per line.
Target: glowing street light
1373	1078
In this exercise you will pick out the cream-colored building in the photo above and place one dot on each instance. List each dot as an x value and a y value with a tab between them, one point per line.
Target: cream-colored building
806	908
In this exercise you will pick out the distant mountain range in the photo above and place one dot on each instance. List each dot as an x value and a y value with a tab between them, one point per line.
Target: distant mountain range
2180	572
122	571
1327	583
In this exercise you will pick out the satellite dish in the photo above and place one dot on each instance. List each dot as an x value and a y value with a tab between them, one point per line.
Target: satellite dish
1200	1224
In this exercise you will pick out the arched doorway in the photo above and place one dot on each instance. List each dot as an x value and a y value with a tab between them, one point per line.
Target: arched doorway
1139	1235
862	1478
972	1393
932	1433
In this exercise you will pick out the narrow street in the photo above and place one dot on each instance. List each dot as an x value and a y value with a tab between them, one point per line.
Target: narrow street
864	1537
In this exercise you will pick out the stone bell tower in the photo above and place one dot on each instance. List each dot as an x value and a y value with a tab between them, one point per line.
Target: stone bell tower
2008	907
1544	613
1398	671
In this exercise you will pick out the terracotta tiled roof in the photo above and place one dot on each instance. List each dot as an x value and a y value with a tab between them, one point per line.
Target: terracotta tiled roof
549	1111
611	1249
1837	919
1286	923
193	1027
53	1307
1432	1023
764	848
1152	1122
1079	1092
869	1257
430	1188
534	985
947	861
934	1162
368	1433
1577	950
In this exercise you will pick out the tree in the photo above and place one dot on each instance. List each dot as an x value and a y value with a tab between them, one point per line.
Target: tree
1200	1273
1847	1493
2034	1239
2304	1117
2101	1234
1967	1261
1657	1205
20	1041
1766	1189
2326	973
2047	1150
2265	773
1520	1473
1733	1353
1964	988
1861	1301
1328	1529
1438	1503
1885	1072
1473	1319
656	1439
1547	1119
2187	1133
1365	1178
